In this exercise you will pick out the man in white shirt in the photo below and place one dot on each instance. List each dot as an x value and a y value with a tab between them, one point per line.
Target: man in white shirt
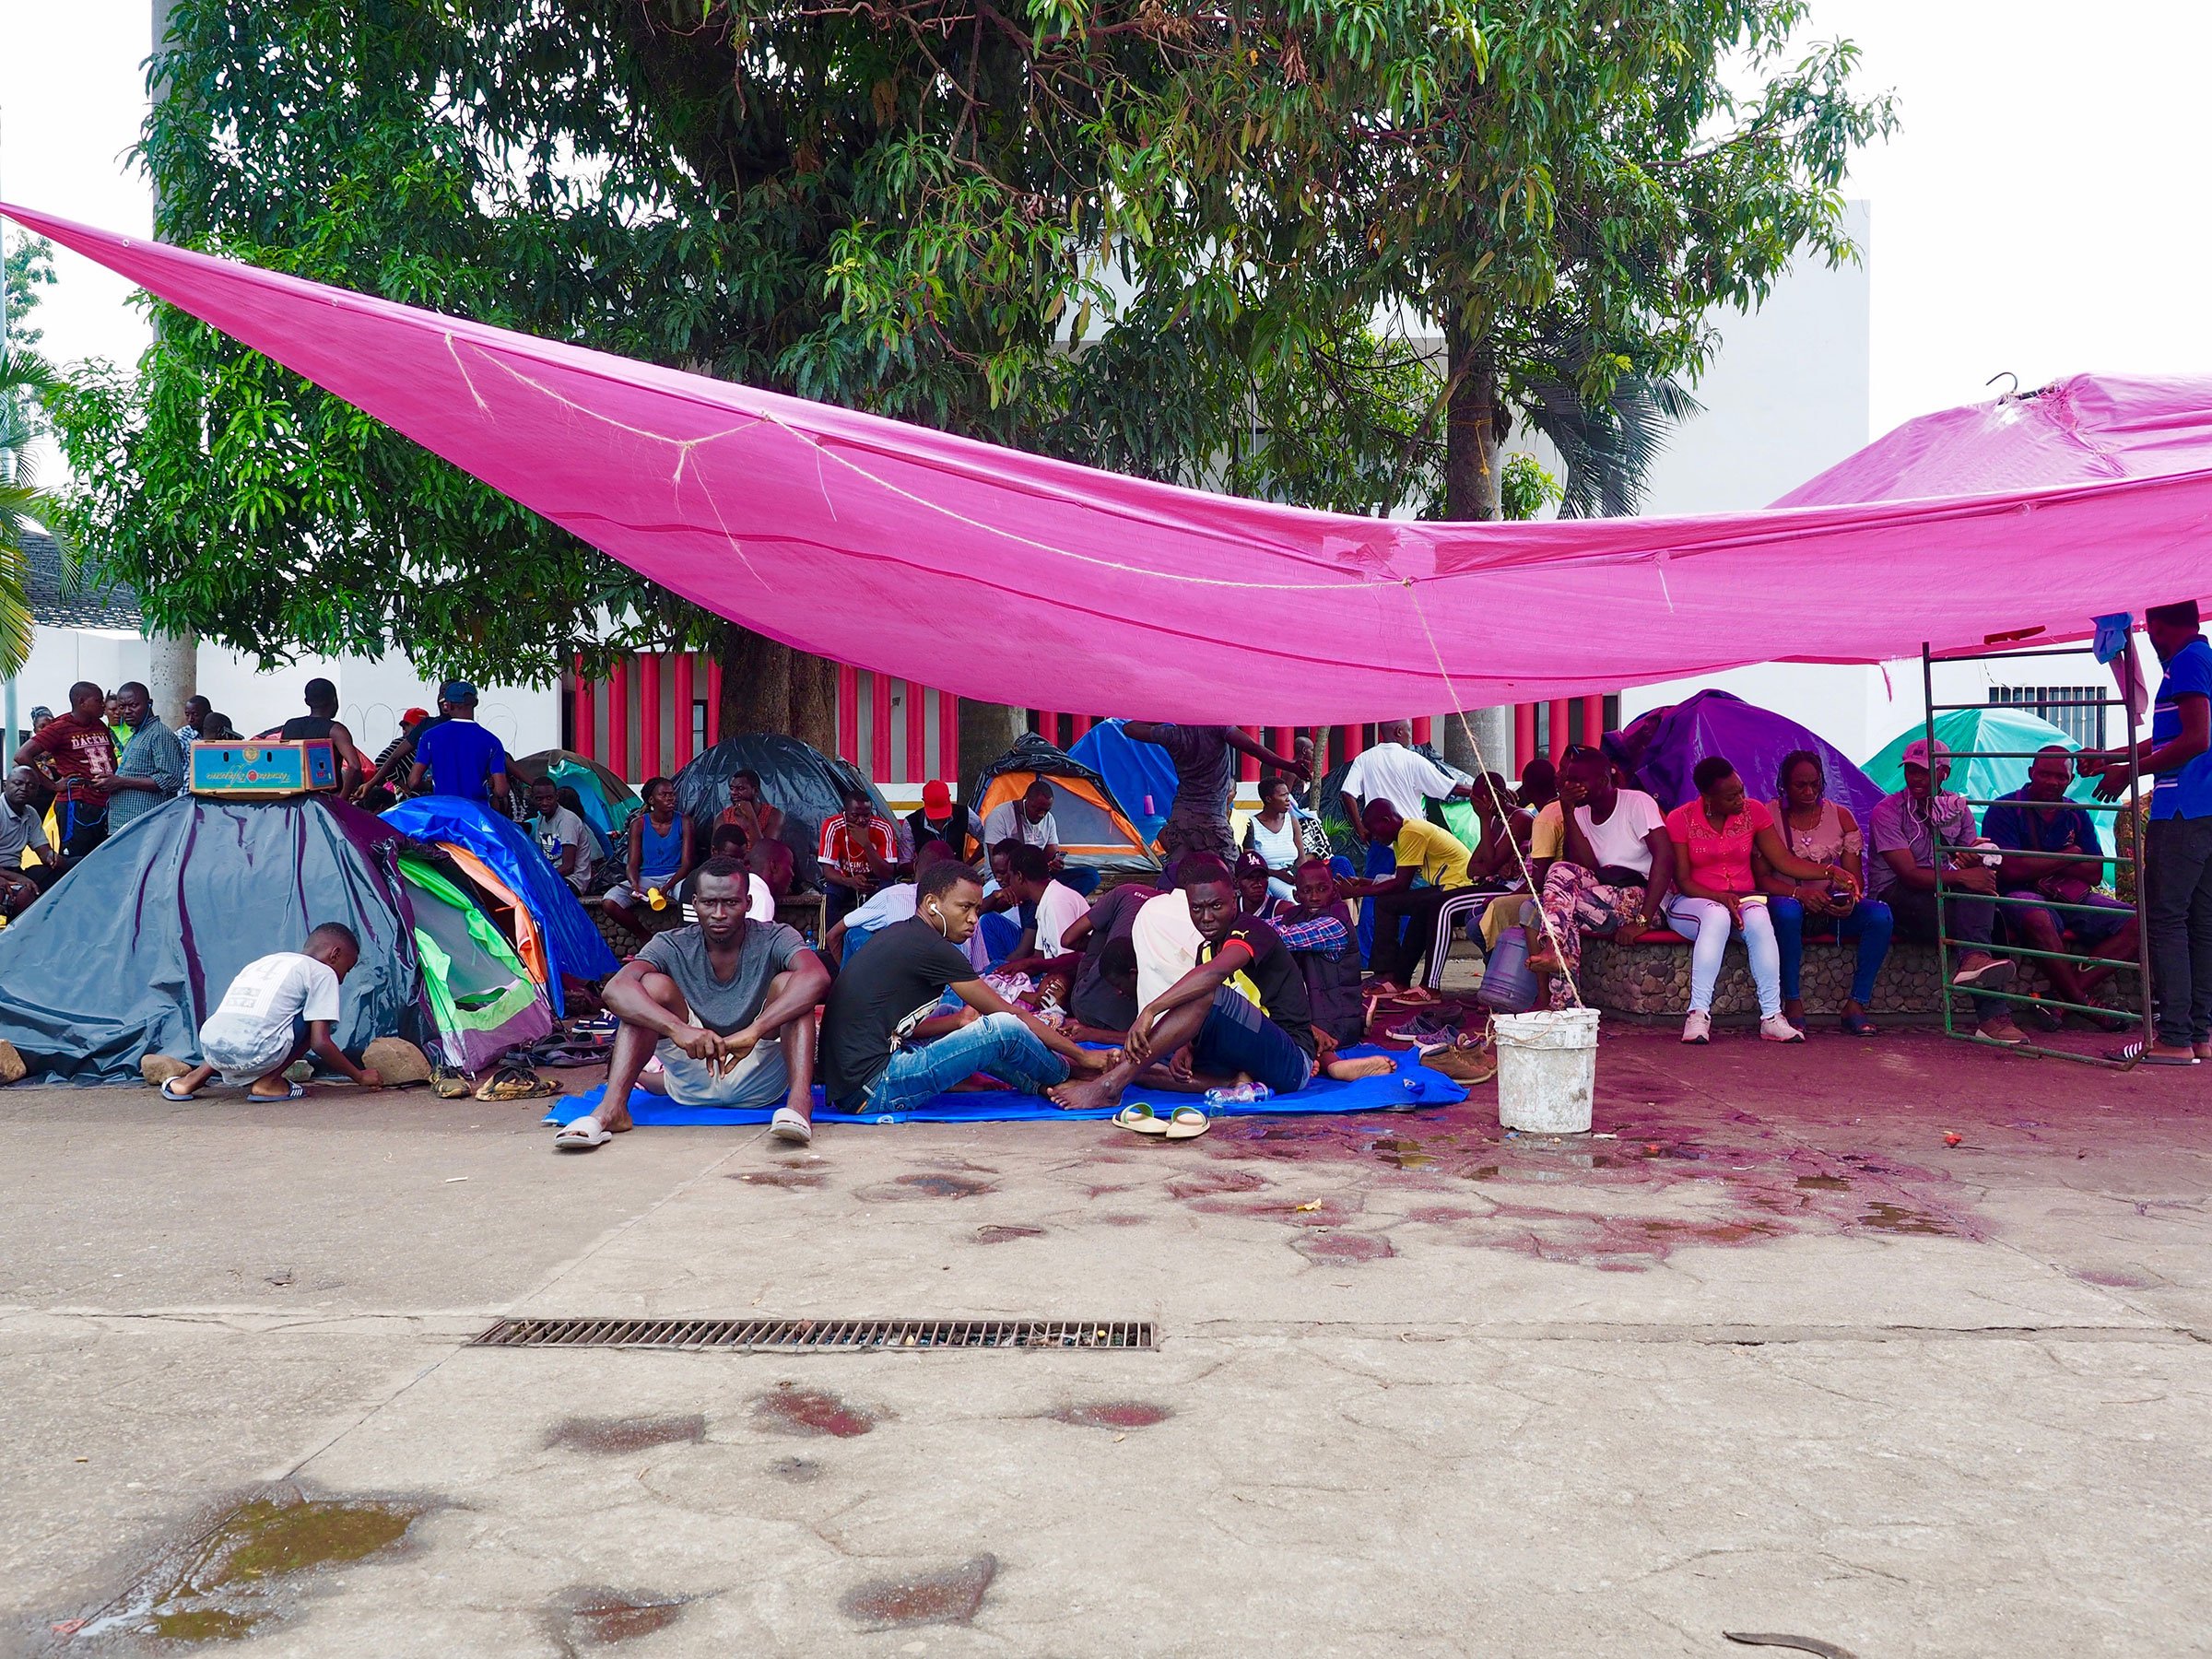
1395	771
1058	906
280	1008
561	836
1029	820
894	903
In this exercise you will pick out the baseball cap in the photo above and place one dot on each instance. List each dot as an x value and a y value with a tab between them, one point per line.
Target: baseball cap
413	716
457	691
1251	864
1918	750
936	800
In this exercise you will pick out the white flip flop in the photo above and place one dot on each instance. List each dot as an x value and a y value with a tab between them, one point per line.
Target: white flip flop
1141	1118
167	1094
585	1134
788	1125
1187	1123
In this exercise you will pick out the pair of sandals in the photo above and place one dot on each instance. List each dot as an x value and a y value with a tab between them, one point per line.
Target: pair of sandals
292	1092
1184	1123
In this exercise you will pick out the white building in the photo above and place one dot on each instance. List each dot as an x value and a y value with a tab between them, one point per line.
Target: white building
99	635
1788	395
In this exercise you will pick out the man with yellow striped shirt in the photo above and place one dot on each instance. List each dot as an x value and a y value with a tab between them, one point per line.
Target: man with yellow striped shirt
1406	915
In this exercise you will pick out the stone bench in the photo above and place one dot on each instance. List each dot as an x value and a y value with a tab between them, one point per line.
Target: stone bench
1651	977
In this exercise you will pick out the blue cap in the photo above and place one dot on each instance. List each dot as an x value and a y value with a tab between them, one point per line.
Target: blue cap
457	691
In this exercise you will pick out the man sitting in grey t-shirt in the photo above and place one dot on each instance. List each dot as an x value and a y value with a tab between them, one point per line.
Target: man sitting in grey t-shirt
726	1005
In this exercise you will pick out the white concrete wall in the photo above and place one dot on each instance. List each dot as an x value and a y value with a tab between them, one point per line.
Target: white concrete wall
371	695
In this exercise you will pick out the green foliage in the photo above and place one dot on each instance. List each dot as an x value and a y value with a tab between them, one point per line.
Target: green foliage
25	379
28	261
1526	488
1212	246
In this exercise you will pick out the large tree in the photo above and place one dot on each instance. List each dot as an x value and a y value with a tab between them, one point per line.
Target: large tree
1203	244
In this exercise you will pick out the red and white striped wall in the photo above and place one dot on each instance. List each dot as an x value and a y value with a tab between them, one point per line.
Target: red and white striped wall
656	710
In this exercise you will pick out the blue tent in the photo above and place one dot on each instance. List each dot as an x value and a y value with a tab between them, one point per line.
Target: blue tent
573	941
1140	775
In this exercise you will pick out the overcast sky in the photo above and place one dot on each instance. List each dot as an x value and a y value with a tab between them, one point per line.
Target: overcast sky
2040	209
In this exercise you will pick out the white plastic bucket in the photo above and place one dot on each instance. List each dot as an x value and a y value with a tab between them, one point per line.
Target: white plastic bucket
1546	1069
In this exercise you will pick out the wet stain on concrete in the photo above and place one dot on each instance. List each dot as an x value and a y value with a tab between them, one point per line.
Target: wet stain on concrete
906	1187
242	1568
812	1411
1120	1221
799	1471
1439	1215
790	1180
1823	1184
1342	1247
995	1234
1212	1183
615	1436
593	1616
1113	1414
952	1596
1901	1219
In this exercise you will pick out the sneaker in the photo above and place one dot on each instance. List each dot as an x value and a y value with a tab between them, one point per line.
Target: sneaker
1991	974
1697	1028
1775	1029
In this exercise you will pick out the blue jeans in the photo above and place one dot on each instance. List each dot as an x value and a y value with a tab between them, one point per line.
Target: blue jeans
1869	920
1380	861
997	1045
1237	1037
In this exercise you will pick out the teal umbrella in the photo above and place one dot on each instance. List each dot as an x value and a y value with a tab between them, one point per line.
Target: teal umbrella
1995	726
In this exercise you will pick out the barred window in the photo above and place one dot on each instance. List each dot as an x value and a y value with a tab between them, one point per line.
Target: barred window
2078	711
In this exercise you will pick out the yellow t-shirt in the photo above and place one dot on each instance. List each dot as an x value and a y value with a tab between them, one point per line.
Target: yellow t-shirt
1436	853
1547	833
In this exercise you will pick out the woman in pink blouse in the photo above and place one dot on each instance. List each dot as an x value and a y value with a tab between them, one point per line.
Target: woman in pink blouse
1716	894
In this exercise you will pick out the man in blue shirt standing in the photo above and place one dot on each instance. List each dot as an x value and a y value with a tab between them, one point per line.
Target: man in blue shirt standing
459	755
2178	844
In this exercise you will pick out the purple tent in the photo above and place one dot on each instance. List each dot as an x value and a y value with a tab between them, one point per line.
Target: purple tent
1753	740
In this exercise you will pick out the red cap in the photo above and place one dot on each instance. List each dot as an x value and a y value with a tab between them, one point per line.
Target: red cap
412	715
937	799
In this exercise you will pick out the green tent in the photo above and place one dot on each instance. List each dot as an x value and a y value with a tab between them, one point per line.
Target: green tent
483	999
1994	726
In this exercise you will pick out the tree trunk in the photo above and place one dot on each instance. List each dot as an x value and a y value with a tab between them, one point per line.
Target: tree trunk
987	731
1471	418
768	686
1472	429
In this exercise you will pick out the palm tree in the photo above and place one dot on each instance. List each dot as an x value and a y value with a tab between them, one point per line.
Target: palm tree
25	378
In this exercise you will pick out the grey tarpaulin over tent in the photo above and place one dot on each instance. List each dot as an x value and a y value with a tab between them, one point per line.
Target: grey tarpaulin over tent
808	784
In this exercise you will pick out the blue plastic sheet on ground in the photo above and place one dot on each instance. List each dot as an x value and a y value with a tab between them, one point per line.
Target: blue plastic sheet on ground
1412	1085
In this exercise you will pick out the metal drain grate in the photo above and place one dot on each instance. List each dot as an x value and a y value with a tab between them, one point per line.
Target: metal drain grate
784	1336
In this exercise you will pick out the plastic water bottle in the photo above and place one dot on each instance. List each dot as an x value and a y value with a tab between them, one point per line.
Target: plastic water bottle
1243	1094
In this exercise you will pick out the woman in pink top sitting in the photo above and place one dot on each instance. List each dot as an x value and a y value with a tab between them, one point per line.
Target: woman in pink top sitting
1716	894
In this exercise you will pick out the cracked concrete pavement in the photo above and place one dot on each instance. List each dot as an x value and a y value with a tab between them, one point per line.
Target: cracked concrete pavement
1767	1355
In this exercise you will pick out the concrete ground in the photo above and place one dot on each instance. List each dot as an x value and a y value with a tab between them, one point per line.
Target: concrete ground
1773	1358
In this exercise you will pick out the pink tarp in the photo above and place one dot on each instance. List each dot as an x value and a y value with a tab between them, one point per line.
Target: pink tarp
1000	575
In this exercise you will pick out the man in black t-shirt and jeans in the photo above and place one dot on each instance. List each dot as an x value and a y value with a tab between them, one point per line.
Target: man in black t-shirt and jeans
890	1039
1241	1013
